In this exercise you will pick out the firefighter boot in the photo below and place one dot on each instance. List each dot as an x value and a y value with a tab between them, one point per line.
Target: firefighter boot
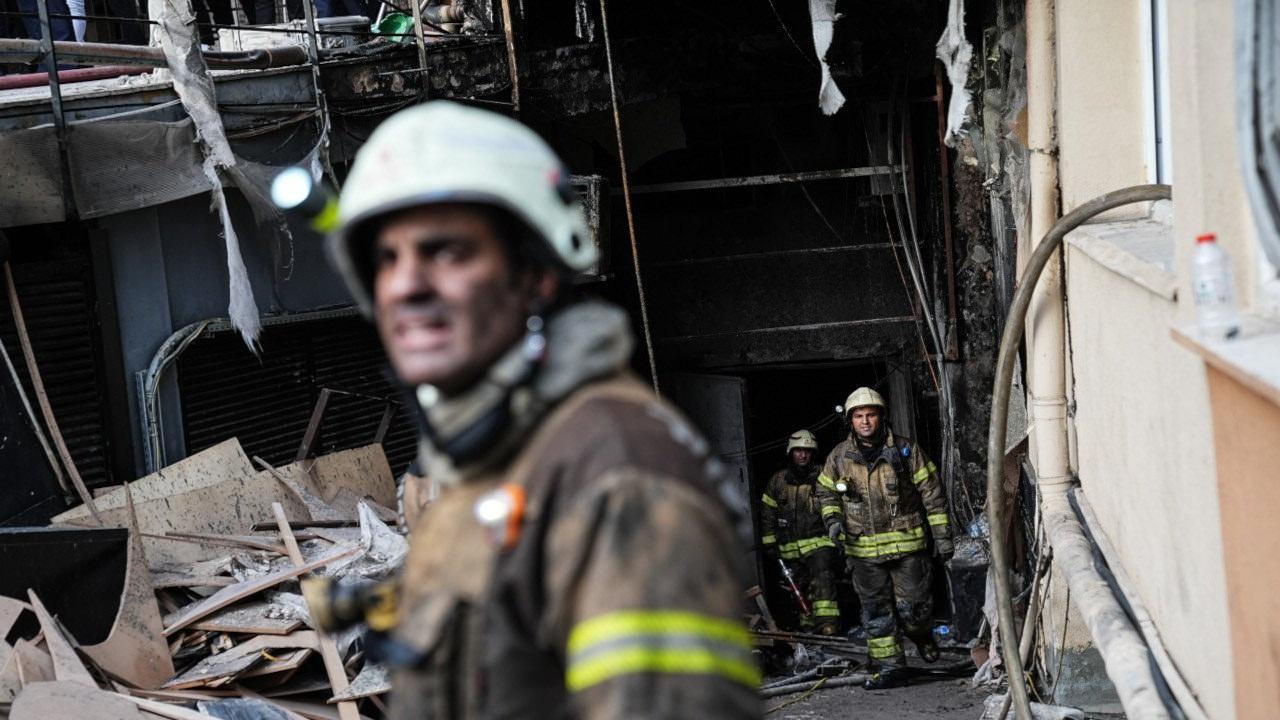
887	676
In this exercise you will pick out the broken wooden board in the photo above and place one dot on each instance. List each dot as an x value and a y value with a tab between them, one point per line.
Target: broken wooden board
10	680
252	618
34	664
220	463
58	700
135	650
374	679
10	609
66	664
287	661
165	710
215	670
333	666
364	471
223	666
234	593
196	495
161	580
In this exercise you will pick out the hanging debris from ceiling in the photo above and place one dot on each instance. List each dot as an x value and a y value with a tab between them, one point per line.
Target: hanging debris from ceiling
955	52
822	13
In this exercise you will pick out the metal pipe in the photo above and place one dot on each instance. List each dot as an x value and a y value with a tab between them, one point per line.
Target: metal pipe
508	32
758	180
141	55
1010	339
68	77
59	120
421	42
854	679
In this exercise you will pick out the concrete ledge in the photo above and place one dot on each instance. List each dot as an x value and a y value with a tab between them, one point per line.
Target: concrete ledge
1249	359
1138	250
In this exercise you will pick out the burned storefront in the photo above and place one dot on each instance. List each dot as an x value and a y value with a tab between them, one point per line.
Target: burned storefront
775	189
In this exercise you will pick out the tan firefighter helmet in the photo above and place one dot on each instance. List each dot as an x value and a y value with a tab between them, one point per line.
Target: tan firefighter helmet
864	397
801	439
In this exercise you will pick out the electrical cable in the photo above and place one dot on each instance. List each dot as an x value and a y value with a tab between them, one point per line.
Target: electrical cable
626	197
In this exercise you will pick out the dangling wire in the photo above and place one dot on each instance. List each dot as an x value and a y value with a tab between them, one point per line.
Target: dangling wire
626	197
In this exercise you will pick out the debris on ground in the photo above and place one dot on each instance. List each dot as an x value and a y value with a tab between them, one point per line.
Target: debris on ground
211	623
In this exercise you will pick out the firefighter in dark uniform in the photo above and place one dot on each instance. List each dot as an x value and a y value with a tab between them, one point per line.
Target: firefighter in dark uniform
792	529
883	497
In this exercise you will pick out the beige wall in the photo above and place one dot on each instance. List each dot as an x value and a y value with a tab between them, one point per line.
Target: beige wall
1102	132
1146	465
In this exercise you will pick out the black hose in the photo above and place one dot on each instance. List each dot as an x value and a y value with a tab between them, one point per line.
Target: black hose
1010	339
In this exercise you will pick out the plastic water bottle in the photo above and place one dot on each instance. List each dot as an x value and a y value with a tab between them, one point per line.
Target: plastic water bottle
1214	290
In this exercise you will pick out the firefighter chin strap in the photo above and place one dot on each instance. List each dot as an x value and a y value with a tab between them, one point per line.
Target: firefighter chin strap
465	428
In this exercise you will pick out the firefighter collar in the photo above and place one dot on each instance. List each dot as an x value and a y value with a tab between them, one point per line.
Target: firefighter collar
481	428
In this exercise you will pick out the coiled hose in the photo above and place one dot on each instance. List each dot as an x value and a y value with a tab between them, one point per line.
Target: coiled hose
1010	339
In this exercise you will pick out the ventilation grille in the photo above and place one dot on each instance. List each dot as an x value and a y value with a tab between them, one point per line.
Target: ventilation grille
266	401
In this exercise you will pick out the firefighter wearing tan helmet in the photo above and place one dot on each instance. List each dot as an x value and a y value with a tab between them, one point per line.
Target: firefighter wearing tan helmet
581	559
792	530
882	498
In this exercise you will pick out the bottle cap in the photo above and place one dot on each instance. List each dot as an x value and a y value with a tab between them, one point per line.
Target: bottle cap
1206	238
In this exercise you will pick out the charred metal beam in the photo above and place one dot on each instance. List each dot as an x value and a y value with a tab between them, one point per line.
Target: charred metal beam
772	179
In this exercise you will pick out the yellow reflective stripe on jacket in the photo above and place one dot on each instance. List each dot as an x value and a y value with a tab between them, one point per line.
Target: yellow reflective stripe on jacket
887	543
830	510
767	500
826	608
658	641
939	519
924	472
808	545
768	539
789	551
883	647
827	482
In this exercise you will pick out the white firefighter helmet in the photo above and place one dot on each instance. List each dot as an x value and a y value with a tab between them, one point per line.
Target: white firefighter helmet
444	152
864	397
801	439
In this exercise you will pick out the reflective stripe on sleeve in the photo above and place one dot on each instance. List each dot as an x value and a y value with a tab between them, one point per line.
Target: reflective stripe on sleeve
808	545
924	472
768	539
937	519
831	510
767	500
667	642
827	482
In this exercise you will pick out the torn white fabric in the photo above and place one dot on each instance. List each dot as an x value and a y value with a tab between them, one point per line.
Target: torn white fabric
822	13
242	309
176	32
956	53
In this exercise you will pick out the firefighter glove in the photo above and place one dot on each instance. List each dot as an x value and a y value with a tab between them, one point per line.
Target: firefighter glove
834	532
944	549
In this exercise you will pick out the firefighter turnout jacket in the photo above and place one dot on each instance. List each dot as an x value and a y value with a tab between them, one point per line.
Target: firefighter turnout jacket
791	514
595	572
884	504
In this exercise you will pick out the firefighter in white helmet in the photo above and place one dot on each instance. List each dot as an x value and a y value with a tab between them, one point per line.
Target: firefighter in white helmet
791	528
581	560
883	497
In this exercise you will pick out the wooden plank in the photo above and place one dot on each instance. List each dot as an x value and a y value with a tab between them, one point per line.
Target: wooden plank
173	712
135	650
235	541
66	664
10	609
224	665
333	666
285	662
163	580
57	700
374	679
33	664
252	618
231	594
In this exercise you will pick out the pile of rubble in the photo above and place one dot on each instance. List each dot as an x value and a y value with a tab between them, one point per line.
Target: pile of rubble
211	623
